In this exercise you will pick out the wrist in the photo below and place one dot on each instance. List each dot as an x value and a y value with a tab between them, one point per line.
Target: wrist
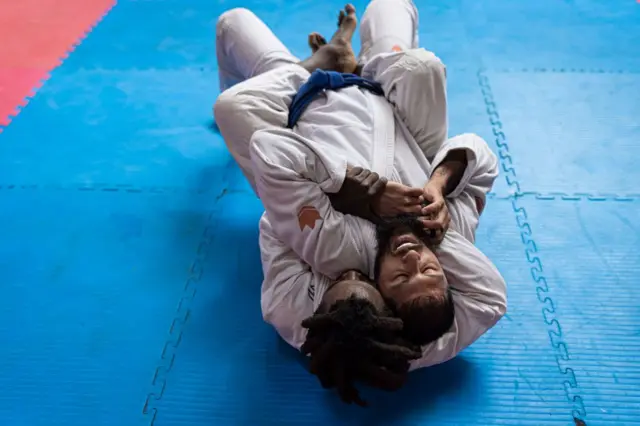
437	182
447	175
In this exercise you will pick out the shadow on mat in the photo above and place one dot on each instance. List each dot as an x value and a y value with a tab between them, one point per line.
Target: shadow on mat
266	380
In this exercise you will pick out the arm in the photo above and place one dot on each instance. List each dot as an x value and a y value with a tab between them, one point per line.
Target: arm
262	102
479	295
293	181
291	291
464	171
414	82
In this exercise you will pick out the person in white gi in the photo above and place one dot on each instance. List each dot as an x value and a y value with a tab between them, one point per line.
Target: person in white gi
306	245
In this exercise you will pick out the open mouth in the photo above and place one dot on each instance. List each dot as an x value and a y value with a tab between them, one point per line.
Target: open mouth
403	243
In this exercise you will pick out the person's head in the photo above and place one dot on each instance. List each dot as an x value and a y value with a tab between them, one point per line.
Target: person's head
358	285
411	280
353	336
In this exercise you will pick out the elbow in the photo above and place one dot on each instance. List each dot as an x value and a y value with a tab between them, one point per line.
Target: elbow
487	159
500	302
491	158
283	321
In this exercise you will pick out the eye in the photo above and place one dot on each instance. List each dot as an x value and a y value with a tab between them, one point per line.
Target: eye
401	276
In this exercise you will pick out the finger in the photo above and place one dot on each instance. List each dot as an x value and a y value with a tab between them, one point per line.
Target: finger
413	192
378	186
428	196
371	179
364	173
411	209
433	207
431	224
411	201
354	171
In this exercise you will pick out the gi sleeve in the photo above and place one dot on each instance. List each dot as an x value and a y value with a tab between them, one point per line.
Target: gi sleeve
261	102
479	295
293	178
414	82
466	202
291	291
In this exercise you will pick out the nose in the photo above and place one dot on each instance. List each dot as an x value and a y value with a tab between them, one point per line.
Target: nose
411	261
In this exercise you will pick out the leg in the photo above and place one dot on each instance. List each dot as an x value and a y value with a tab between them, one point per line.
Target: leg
414	81
246	47
388	25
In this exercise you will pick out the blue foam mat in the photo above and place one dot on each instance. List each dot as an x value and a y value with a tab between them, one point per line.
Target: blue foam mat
587	258
129	260
90	282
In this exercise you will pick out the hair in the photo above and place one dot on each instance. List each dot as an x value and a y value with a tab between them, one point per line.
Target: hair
353	342
427	317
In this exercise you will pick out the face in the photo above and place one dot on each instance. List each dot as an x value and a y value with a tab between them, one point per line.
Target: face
407	266
353	283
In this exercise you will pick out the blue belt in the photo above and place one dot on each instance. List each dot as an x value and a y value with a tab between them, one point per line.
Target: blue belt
326	80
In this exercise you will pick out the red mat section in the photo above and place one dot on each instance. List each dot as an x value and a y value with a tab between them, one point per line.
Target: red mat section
36	35
15	85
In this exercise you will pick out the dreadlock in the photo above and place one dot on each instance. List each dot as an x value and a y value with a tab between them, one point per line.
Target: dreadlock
353	342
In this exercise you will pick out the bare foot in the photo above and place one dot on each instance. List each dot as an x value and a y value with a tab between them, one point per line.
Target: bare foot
337	55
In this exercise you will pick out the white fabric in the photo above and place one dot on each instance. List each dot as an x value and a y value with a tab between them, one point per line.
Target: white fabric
295	169
245	47
387	25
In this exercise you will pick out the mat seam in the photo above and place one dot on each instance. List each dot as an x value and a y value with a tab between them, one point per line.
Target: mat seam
556	340
32	93
181	317
166	362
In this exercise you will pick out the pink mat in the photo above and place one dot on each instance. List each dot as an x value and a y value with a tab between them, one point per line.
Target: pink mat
36	35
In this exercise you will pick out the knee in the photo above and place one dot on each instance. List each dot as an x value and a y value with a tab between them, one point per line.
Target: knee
432	68
224	110
232	18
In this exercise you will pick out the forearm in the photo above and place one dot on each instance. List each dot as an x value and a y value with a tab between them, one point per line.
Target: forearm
448	174
293	182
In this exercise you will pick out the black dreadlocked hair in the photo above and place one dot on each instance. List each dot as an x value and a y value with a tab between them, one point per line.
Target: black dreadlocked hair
352	342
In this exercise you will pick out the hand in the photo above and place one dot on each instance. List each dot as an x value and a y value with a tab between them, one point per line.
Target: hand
398	199
435	215
361	187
